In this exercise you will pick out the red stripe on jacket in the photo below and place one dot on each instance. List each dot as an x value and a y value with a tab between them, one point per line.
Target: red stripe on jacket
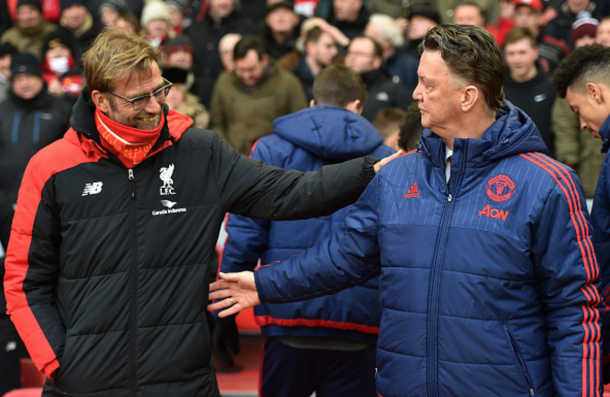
59	156
590	323
304	322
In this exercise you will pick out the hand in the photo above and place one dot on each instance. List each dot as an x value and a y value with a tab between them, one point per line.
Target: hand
239	290
386	160
226	342
54	88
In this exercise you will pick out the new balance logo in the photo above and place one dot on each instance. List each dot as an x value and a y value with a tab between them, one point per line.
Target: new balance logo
494	213
92	188
413	192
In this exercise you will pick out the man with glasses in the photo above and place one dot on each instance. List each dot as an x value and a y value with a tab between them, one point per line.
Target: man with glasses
365	56
113	239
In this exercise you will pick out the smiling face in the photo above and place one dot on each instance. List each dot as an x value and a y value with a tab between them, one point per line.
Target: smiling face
439	100
521	59
130	86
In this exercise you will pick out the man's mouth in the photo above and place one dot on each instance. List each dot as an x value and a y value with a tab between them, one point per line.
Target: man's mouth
148	118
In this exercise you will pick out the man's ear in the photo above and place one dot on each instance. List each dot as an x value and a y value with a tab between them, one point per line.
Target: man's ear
594	91
469	97
377	62
312	103
355	106
100	100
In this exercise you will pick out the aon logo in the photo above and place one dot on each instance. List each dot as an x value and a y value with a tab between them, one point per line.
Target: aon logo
493	213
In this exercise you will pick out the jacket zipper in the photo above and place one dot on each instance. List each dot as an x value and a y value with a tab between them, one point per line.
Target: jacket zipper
520	360
134	289
433	297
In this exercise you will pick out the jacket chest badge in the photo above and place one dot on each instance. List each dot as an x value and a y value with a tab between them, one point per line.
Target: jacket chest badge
165	174
500	188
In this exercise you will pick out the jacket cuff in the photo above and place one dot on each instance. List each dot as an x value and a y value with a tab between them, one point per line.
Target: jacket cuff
368	170
259	287
50	368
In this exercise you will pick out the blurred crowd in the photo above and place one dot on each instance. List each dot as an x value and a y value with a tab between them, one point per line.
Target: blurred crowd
238	65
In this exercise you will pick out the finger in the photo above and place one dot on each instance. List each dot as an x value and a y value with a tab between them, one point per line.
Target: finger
228	276
219	294
221	304
218	284
236	308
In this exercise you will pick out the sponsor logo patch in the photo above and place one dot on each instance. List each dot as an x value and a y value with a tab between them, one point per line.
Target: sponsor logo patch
413	192
500	188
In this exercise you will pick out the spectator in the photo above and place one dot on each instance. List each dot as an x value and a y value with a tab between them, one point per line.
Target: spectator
527	86
282	29
128	23
422	17
392	8
5	18
182	101
364	56
469	13
603	32
30	119
349	16
7	50
226	47
246	100
584	31
583	80
110	10
79	22
411	130
551	50
387	33
31	28
178	53
330	340
221	18
389	123
178	10
292	59
560	27
448	8
500	284
156	23
60	70
506	22
145	194
320	52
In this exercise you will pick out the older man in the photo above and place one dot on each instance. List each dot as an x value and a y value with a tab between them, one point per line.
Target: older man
115	228
487	275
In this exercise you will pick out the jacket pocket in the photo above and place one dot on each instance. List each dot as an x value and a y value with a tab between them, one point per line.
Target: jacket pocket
520	360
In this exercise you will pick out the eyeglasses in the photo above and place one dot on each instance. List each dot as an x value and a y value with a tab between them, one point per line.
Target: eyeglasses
140	102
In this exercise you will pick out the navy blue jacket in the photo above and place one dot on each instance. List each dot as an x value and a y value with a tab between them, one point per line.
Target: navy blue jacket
487	287
305	141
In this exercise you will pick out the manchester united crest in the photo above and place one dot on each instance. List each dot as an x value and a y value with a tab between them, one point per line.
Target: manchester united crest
500	188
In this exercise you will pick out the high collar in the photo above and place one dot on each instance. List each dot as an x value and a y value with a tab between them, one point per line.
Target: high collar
512	133
604	131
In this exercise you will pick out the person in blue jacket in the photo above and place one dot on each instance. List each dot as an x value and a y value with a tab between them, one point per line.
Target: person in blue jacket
583	79
481	242
325	345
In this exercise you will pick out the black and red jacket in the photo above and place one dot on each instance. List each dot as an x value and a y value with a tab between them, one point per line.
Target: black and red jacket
107	268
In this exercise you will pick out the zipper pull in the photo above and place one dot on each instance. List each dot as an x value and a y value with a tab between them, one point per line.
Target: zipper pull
532	392
133	183
450	197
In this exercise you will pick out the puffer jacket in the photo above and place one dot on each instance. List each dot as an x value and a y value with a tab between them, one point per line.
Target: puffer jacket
488	287
107	269
306	141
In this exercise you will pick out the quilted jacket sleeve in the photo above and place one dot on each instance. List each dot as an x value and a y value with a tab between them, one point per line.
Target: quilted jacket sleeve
250	187
350	256
568	276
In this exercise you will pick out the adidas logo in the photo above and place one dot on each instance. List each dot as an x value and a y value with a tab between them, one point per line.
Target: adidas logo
413	192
